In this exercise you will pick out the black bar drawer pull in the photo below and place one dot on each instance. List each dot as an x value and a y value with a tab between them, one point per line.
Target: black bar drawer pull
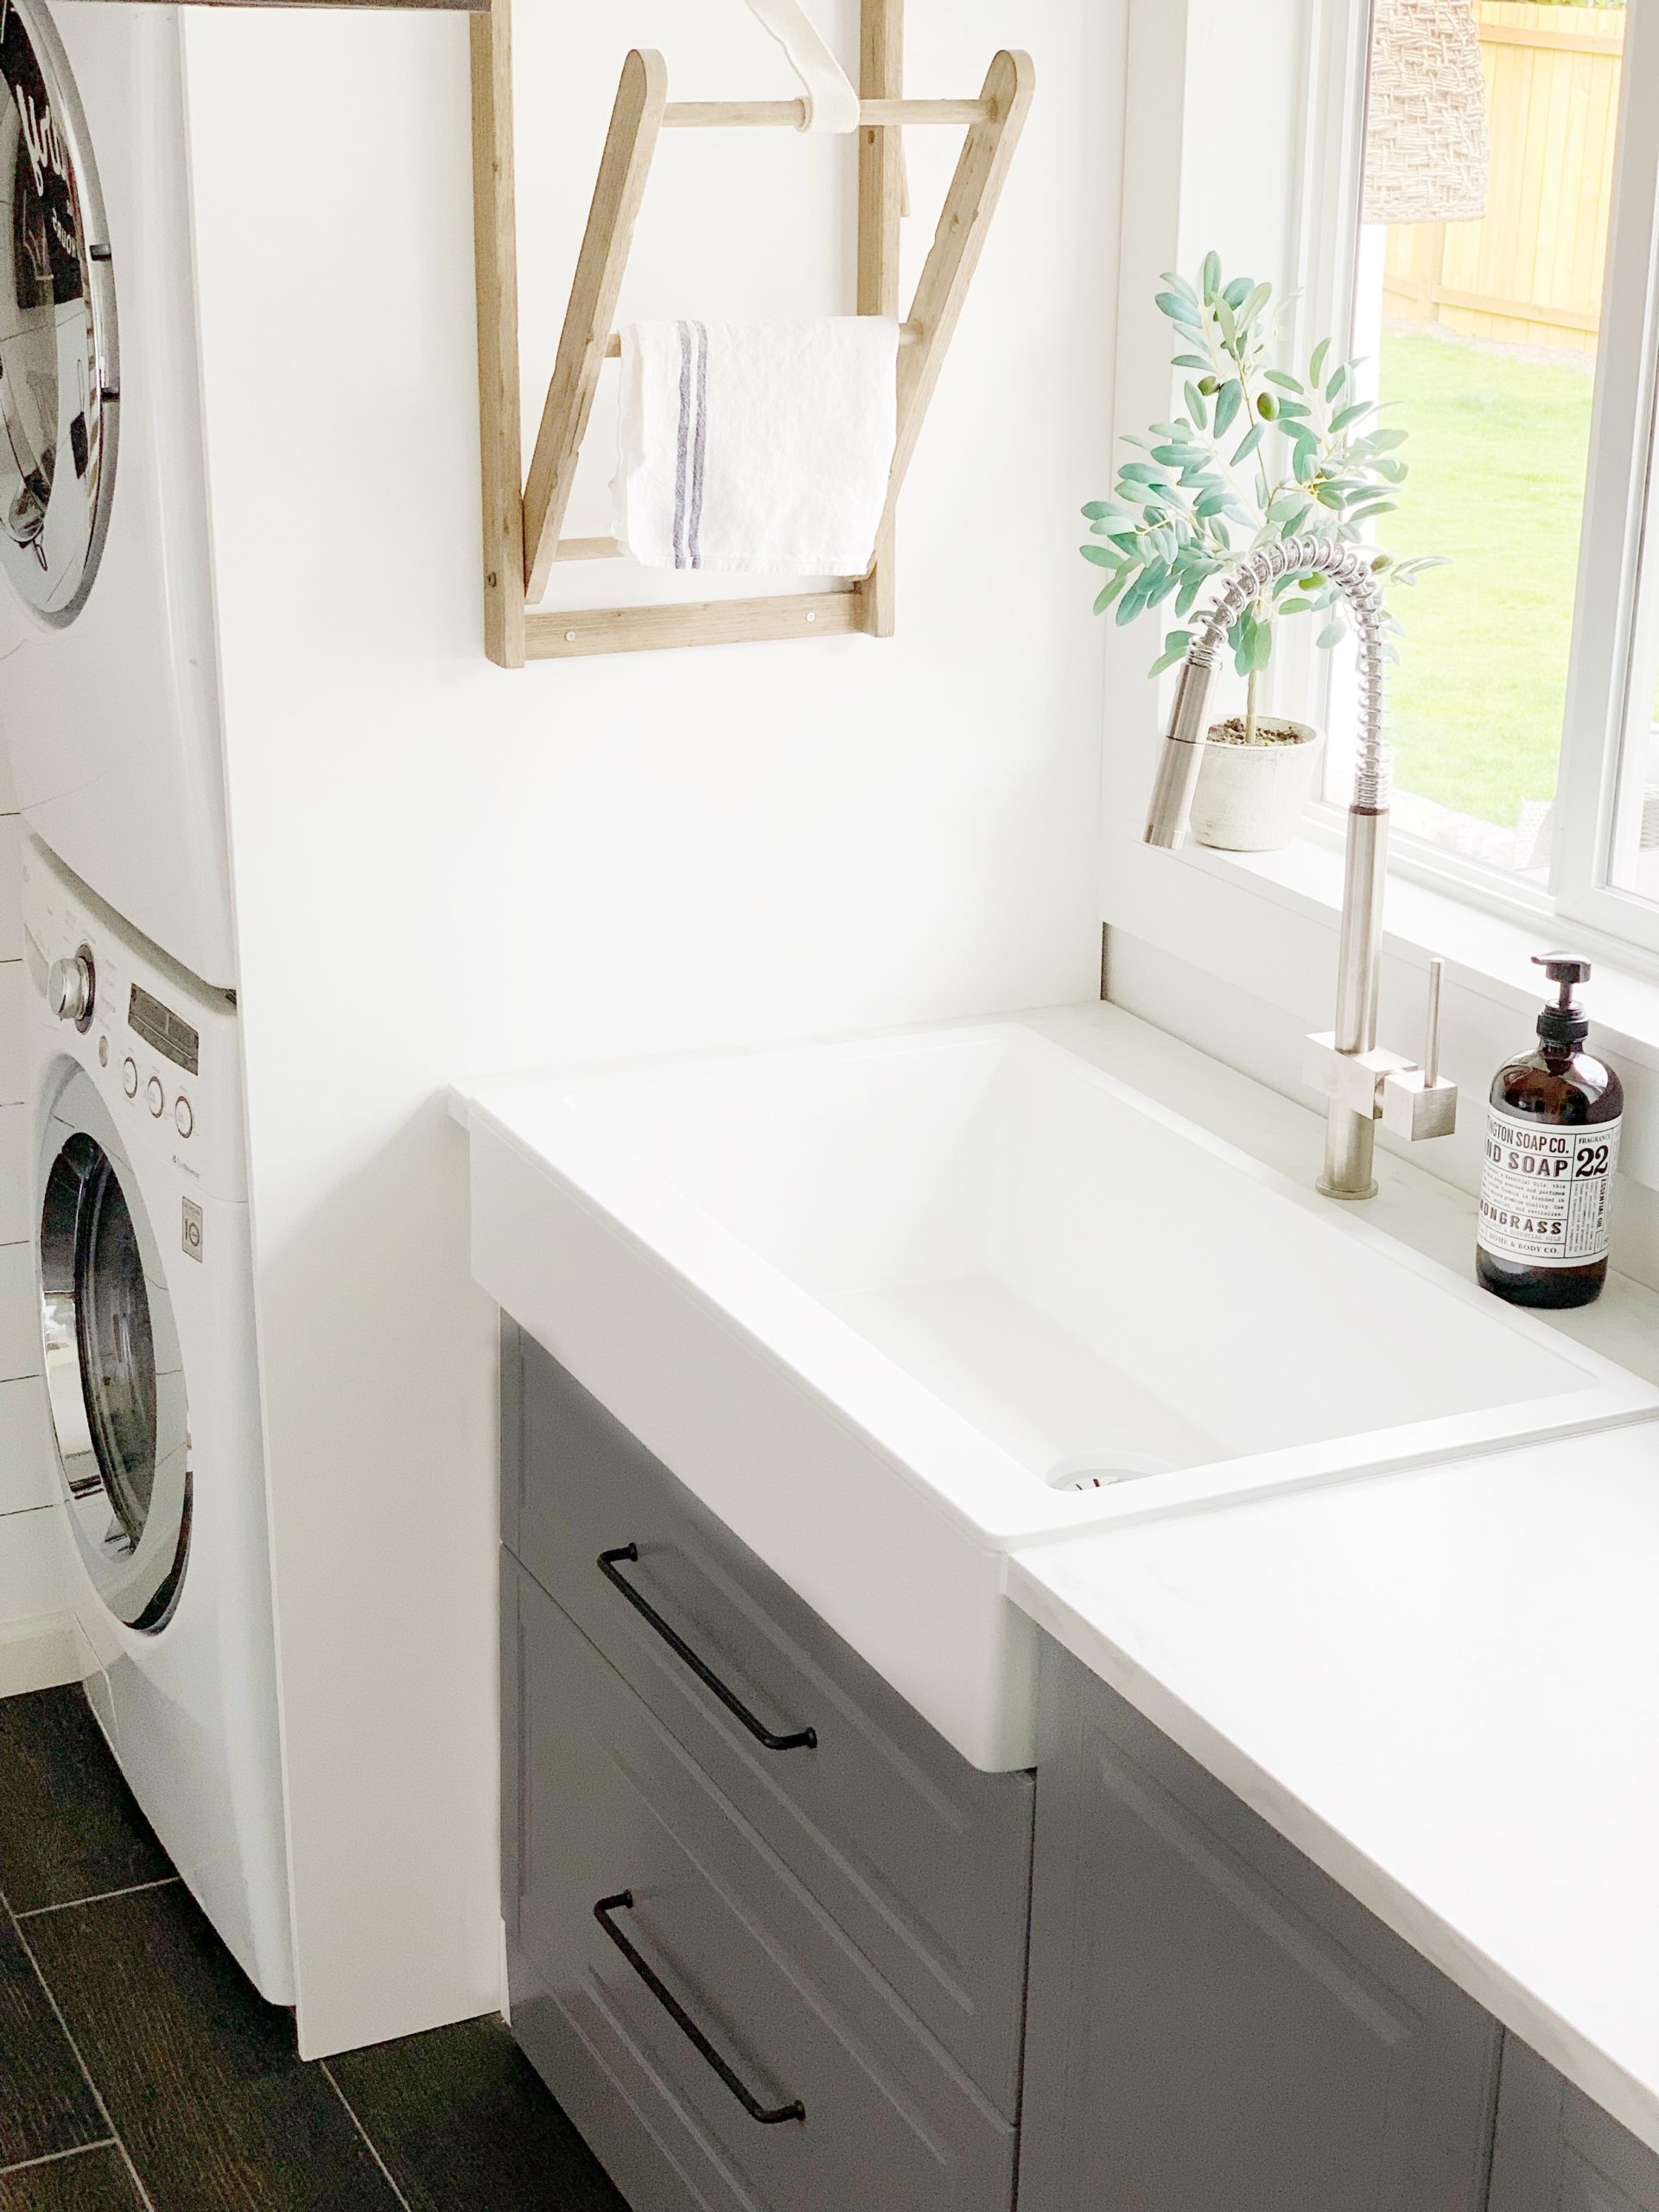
803	1739
623	1901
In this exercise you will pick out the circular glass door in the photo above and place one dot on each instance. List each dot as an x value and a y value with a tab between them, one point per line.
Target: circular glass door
114	1378
58	367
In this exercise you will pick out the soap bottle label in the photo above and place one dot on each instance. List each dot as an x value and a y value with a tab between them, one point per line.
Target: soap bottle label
1546	1193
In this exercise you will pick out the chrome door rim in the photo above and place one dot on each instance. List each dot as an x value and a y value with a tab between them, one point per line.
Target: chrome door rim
135	1547
57	446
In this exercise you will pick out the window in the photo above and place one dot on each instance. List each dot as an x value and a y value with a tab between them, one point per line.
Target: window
1503	295
1526	701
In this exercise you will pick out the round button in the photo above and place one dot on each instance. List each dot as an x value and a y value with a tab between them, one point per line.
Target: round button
155	1097
183	1116
130	1077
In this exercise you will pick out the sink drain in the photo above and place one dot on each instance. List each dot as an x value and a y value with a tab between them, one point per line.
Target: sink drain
1103	1470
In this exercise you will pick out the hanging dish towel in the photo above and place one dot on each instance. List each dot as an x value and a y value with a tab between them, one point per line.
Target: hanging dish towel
763	446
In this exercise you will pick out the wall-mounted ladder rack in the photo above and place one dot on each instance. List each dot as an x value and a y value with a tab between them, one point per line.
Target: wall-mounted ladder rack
524	514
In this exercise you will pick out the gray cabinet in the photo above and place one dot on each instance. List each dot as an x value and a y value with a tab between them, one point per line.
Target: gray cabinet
766	1929
923	1860
716	2037
1213	2025
768	1933
1555	2151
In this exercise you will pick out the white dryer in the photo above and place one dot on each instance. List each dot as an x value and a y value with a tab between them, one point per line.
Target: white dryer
108	683
146	1284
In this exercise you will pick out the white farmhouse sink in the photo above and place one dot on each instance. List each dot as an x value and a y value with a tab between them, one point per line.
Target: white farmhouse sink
884	1305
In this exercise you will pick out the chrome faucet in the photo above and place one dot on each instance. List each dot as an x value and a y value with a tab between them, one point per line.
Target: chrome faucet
1361	1084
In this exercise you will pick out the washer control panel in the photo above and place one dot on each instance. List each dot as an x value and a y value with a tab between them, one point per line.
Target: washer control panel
166	1032
163	1047
157	1092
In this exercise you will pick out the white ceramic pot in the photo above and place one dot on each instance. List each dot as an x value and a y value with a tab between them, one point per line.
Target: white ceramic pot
1250	798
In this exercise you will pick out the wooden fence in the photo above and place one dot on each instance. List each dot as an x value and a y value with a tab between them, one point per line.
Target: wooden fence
1531	272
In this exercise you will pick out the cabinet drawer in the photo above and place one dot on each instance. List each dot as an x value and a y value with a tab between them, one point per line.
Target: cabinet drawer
657	1942
924	1862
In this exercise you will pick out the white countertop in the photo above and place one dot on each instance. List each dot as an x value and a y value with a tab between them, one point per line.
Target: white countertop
1442	1684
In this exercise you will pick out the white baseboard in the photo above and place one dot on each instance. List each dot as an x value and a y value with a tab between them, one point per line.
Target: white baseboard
37	1653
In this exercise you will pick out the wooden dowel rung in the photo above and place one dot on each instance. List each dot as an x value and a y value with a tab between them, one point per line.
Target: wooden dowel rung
587	548
910	334
791	115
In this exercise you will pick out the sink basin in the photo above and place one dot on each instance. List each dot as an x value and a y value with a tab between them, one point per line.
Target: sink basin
895	1307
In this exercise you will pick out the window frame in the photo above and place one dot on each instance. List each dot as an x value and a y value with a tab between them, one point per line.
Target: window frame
1179	53
1619	523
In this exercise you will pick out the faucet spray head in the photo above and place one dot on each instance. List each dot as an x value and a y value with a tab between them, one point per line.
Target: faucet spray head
1182	757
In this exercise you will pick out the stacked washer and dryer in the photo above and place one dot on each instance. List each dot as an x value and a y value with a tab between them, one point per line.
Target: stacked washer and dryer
109	709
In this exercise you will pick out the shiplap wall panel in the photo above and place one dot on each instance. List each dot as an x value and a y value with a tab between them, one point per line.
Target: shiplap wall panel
14	1207
26	1474
11	1032
20	1352
11	915
31	1589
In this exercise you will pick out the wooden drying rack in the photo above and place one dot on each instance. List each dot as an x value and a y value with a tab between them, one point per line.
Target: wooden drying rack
523	516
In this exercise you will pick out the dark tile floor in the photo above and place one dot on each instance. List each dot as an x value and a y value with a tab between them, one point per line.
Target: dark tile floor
139	2069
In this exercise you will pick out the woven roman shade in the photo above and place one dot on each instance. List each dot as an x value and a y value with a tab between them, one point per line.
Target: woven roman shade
1428	154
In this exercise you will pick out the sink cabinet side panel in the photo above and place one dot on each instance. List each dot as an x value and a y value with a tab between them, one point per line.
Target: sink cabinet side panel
1214	2025
511	1460
1556	2151
1060	2012
511	1412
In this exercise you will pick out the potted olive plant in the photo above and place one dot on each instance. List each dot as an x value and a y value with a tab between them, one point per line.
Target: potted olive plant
1258	455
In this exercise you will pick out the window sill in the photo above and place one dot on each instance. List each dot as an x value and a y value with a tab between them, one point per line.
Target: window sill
1486	951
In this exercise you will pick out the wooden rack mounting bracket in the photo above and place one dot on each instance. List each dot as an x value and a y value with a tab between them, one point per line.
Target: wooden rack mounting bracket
523	516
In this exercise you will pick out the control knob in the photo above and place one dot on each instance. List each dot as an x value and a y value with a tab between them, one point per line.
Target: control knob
70	987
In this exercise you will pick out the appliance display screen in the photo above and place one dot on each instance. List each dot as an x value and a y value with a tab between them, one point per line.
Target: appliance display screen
159	1025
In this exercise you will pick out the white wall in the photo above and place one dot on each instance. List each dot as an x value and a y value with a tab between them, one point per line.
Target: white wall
440	867
34	1645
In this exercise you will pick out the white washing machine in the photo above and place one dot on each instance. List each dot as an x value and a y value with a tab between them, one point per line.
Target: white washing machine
108	678
146	1284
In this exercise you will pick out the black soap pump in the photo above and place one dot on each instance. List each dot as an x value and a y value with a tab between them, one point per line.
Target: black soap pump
1552	1146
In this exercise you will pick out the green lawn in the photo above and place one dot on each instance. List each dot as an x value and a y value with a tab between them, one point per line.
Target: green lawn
1498	452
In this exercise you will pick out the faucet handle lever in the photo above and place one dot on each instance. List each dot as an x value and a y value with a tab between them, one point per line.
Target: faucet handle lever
1416	1102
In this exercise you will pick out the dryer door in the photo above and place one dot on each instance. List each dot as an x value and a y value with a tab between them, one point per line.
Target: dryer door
114	1375
58	368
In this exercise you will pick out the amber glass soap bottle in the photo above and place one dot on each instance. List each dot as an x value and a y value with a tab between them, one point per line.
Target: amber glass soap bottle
1552	1145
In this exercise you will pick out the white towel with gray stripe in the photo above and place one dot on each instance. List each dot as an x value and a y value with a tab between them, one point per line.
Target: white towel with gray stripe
760	447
